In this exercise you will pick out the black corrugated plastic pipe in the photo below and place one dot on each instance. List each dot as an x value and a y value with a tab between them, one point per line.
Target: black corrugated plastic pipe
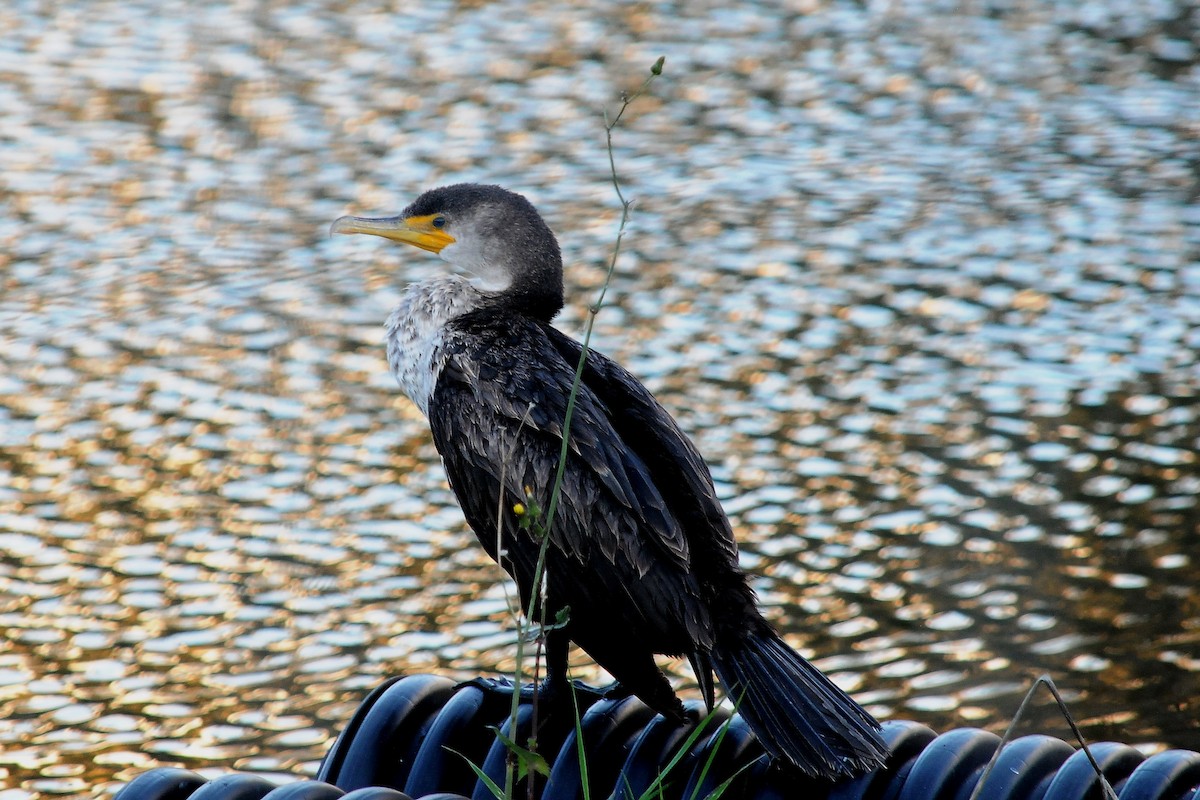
412	738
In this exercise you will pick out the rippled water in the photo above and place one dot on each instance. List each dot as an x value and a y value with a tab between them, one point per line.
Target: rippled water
922	280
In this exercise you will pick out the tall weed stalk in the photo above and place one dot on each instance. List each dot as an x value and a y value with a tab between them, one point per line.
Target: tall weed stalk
532	625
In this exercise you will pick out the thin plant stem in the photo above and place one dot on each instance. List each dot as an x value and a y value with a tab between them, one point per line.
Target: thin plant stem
1048	682
510	766
544	524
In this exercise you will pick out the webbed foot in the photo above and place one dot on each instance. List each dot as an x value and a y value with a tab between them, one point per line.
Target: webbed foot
550	694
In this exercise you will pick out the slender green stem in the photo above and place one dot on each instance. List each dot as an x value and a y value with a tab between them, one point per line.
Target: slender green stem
514	708
577	380
543	524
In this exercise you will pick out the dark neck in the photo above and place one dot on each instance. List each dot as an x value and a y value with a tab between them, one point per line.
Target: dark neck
538	294
540	305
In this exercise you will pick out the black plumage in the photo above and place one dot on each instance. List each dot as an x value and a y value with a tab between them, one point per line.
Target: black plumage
641	553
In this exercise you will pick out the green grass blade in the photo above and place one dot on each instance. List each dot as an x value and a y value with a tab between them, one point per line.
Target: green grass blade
492	786
712	756
580	748
680	753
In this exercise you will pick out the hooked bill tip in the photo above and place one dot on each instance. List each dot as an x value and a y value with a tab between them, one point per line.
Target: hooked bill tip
342	225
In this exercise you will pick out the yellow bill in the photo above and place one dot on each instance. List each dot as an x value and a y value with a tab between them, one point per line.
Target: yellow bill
423	232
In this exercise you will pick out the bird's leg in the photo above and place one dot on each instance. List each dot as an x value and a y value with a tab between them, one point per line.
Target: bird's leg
555	690
557	648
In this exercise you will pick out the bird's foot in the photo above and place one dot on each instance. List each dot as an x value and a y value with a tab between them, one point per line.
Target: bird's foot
615	691
550	693
502	687
555	693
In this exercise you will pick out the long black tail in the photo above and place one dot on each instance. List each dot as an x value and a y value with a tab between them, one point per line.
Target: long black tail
798	714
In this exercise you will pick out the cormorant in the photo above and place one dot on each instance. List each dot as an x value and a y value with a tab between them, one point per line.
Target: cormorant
641	553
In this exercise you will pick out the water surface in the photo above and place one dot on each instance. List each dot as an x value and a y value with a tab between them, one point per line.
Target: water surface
921	279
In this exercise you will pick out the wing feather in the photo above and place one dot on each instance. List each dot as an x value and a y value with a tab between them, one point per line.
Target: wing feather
499	407
678	467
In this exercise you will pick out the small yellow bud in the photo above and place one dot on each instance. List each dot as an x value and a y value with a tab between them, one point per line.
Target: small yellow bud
519	509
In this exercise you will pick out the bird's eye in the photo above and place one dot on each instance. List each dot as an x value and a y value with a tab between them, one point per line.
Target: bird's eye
438	222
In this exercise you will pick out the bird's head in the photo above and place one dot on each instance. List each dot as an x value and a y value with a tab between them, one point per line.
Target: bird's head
493	235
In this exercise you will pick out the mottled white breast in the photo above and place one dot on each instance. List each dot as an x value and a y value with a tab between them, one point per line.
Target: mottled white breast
416	333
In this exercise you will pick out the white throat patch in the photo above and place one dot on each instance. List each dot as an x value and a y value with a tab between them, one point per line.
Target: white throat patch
471	259
415	333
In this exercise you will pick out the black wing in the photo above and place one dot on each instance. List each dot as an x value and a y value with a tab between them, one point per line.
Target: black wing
497	418
678	467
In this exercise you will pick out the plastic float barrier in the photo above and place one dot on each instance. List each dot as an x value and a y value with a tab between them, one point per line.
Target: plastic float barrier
412	738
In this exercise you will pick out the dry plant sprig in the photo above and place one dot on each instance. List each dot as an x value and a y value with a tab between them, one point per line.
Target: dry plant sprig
1048	682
